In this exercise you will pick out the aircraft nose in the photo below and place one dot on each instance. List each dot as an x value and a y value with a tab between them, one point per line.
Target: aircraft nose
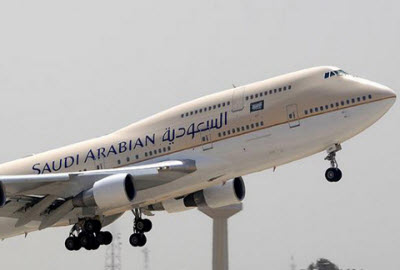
383	92
383	96
387	92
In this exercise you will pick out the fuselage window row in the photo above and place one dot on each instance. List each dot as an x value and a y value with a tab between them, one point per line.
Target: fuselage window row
159	151
206	109
270	92
146	154
337	104
240	129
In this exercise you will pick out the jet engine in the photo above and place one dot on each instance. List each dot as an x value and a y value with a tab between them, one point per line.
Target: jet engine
232	192
110	192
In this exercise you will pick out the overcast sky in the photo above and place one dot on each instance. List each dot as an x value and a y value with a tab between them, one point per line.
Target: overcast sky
73	70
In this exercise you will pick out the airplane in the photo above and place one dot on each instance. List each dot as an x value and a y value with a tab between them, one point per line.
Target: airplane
192	155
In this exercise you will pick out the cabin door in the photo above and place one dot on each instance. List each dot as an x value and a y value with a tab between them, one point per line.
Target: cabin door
206	140
292	116
238	99
99	163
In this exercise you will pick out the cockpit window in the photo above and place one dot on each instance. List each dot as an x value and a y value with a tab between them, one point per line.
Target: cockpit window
339	72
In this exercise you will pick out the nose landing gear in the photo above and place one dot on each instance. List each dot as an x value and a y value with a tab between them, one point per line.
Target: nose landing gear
333	174
140	226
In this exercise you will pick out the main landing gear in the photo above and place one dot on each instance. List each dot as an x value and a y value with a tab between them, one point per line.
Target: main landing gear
333	174
140	226
87	234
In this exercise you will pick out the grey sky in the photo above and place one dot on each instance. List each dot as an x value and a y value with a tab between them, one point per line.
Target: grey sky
73	70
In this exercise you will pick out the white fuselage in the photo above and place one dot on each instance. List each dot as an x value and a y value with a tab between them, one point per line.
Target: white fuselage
229	134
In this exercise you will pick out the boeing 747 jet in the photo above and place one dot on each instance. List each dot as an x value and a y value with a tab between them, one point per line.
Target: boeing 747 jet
192	155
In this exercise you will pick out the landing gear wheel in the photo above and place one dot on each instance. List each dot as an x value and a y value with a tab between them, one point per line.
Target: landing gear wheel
137	240
143	225
70	243
94	244
77	243
104	238
86	240
92	226
333	174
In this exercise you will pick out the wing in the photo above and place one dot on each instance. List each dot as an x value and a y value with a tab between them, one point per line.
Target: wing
48	198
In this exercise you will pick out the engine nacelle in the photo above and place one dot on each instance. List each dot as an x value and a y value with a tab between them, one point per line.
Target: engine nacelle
110	192
3	197
232	192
